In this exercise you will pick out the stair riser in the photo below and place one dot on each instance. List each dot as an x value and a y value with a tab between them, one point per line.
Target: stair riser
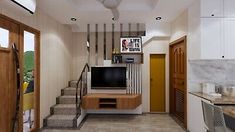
73	84
69	92
63	111
66	100
60	123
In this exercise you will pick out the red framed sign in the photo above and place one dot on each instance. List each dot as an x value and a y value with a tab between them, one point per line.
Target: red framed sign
131	45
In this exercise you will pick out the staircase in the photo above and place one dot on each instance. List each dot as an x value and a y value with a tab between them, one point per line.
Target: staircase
67	112
63	114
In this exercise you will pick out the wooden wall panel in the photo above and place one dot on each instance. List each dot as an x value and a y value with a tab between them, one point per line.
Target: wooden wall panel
4	91
8	83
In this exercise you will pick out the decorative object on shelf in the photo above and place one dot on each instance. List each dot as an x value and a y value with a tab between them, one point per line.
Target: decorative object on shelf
131	45
130	60
117	58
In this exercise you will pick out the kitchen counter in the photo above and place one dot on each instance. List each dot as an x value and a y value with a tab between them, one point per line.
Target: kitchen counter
229	110
223	100
229	116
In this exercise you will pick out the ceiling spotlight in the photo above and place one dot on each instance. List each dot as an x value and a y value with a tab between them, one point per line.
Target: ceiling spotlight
158	18
73	19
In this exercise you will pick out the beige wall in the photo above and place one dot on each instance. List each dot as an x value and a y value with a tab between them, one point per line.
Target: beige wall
56	57
158	45
179	27
80	52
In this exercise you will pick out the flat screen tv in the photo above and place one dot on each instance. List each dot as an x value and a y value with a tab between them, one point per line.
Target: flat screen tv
108	78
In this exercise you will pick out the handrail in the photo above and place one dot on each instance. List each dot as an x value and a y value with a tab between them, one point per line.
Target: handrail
82	90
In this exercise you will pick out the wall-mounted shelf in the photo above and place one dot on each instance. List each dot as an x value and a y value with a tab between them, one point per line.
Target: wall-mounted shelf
127	58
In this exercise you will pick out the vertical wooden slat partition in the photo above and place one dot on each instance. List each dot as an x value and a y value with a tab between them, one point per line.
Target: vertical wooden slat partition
113	37
129	27
88	41
138	29
121	29
88	33
96	44
134	74
105	56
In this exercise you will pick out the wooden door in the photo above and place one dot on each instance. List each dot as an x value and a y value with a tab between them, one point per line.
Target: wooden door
157	83
9	35
178	84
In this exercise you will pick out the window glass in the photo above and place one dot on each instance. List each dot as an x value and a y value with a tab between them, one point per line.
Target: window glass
4	38
28	85
28	41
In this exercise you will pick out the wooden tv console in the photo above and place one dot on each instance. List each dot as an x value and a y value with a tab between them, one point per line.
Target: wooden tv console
111	101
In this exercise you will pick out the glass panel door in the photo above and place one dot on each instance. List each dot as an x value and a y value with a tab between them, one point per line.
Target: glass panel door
28	85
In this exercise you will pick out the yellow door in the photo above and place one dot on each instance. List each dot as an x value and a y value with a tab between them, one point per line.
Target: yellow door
157	83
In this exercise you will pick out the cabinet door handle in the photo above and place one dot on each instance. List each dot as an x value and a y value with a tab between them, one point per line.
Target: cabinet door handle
212	14
222	56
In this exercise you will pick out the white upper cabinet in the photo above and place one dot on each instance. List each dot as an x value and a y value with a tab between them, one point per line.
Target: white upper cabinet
212	8
229	38
211	38
229	8
215	20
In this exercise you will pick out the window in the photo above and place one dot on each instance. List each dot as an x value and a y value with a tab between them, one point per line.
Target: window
4	38
29	41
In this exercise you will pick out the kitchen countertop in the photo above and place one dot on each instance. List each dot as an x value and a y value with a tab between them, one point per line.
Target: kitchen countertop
223	100
229	116
229	110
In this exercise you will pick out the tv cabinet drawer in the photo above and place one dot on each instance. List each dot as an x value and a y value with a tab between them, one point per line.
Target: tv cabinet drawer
91	103
111	101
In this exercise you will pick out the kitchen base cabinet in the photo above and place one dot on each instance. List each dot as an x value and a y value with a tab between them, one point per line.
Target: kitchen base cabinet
195	114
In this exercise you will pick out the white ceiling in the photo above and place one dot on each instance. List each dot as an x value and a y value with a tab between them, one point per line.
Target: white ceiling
93	12
131	11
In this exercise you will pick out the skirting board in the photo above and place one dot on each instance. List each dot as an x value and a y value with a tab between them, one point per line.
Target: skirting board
81	117
136	111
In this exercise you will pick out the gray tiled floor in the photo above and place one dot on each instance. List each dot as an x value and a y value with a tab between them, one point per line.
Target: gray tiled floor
127	123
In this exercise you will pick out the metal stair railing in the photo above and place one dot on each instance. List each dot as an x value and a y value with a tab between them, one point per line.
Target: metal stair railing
82	83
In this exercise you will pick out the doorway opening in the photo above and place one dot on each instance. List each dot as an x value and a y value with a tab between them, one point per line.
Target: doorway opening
157	83
31	78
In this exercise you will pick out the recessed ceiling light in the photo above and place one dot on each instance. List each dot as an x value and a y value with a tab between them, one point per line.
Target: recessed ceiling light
73	19
158	18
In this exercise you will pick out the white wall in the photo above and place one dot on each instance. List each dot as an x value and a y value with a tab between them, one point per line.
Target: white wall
155	28
194	31
179	27
158	45
56	55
